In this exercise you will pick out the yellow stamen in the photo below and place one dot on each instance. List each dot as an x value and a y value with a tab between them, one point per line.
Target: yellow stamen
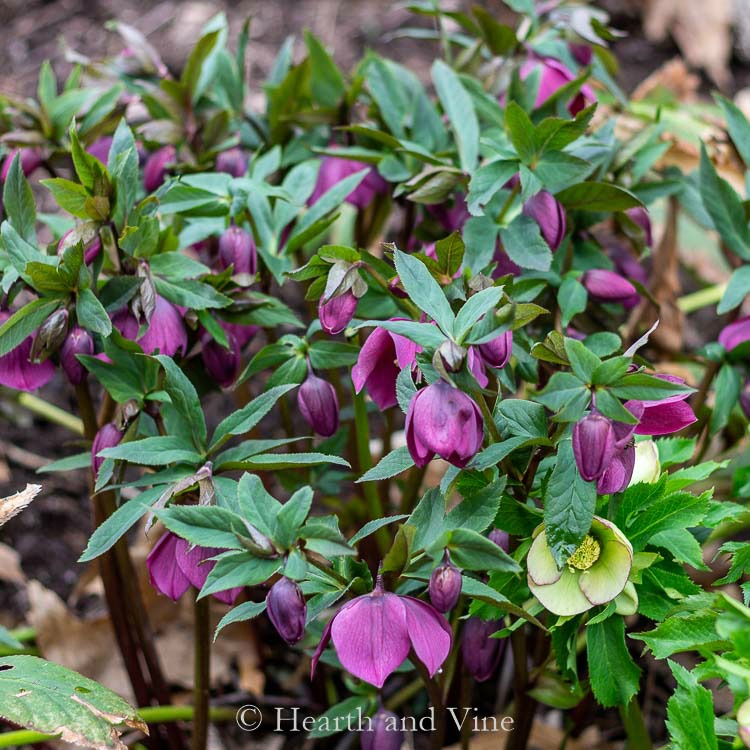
586	555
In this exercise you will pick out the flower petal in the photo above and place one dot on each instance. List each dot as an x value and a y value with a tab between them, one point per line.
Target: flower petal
165	574
429	633
563	597
542	567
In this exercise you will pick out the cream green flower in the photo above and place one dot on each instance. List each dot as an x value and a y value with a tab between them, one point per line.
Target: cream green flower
596	573
647	467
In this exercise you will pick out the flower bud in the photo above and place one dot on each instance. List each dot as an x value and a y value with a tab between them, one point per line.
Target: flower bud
337	312
222	364
78	341
91	251
237	248
155	170
449	357
107	437
319	405
640	216
100	148
743	723
501	539
549	214
745	399
735	334
445	585
232	161
582	53
607	286
50	336
647	467
287	610
384	732
593	445
31	158
479	650
496	353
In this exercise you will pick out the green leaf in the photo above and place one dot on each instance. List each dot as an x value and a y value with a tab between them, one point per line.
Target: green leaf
583	361
69	195
190	293
47	698
69	463
326	82
500	39
450	253
292	515
727	387
477	512
396	462
325	355
372	526
424	290
645	387
24	322
572	298
563	387
613	674
521	132
459	107
597	196
487	180
194	77
523	417
568	505
738	126
475	307
209	526
737	289
238	569
472	551
240	613
278	461
523	241
184	399
678	510
681	633
690	713
18	201
91	313
154	451
347	713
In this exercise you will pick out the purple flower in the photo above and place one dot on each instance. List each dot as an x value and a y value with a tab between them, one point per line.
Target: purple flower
174	566
480	652
31	158
16	371
232	161
382	357
745	399
500	538
333	170
78	341
629	267
222	364
165	331
108	436
237	248
242	332
496	353
155	170
91	251
593	445
735	334
319	405
336	313
374	633
445	421
640	216
383	733
445	585
582	53
665	416
452	216
475	365
608	286
287	610
616	476
99	149
549	214
554	75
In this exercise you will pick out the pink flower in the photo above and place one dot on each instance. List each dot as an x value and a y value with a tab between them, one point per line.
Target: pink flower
665	416
735	334
333	170
165	331
336	313
16	371
554	75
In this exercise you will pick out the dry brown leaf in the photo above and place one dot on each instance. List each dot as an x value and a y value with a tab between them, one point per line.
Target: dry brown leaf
10	565
13	505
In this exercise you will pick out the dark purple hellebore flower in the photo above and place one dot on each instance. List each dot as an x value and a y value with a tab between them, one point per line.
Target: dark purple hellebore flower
445	585
593	445
242	332
333	170
475	365
629	267
382	357
16	371
232	161
445	421
640	216
173	567
665	416
319	405
608	286
99	149
222	364
500	538
374	633
237	248
616	476
165	331
735	334
90	253
480	652
336	313
497	353
582	53
554	75
31	158
155	170
452	216
549	214
383	733
78	341
287	610
108	436
745	399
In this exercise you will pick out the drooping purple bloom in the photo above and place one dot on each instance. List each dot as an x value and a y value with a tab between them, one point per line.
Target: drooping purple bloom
452	216
16	371
287	610
336	313
608	286
242	332
108	436
640	216
445	585
665	416
616	475
745	399
91	251
629	267
497	353
233	161
31	158
78	341
383	733
383	355
374	633
237	248
480	652
445	421
582	53
333	170
735	334
549	214
554	75
165	331
173	567
501	538
222	364
593	445
155	169
319	405
100	148
475	365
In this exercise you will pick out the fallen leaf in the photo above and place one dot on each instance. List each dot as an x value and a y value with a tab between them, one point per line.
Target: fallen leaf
13	505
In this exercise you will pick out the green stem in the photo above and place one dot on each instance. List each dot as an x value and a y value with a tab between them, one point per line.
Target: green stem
487	414
50	412
635	726
702	298
201	688
508	203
